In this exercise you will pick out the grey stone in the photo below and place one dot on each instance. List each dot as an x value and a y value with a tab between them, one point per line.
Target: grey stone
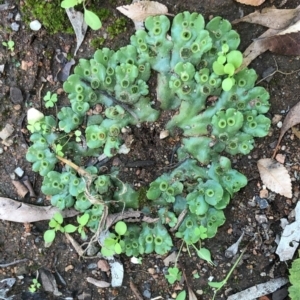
16	96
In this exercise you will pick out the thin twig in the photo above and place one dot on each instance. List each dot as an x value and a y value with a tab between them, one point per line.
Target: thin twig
13	263
277	71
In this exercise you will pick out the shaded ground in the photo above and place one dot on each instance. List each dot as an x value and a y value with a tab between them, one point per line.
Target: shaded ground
260	264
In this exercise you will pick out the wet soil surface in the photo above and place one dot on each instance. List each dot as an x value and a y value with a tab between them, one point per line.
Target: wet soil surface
32	68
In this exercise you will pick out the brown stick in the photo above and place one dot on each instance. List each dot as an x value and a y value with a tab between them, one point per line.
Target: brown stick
15	211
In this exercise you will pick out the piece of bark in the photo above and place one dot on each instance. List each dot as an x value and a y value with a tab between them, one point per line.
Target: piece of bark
15	211
28	184
22	190
135	291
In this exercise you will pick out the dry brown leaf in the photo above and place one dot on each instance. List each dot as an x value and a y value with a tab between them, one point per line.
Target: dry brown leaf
79	25
291	119
271	17
251	2
275	176
192	295
296	132
283	37
139	11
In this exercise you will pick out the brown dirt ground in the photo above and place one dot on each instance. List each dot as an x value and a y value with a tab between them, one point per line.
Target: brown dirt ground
259	263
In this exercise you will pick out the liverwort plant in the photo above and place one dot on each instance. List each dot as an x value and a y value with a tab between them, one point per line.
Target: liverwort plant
195	62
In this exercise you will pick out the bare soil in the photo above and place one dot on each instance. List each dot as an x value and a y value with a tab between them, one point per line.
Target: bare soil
18	241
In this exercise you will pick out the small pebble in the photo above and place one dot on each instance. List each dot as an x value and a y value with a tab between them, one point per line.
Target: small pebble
163	134
17	107
264	193
68	268
147	294
262	203
15	26
280	158
1	150
19	171
18	17
92	266
276	119
261	219
35	25
151	271
279	124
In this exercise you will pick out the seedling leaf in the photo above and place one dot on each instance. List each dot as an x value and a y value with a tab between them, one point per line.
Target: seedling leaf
69	3
118	248
58	217
70	228
107	252
92	19
49	235
204	253
181	296
121	228
82	220
217	285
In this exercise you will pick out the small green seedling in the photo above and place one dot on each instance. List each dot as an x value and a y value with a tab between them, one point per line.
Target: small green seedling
50	99
56	224
173	275
58	150
218	285
35	285
77	136
90	18
10	45
113	243
82	221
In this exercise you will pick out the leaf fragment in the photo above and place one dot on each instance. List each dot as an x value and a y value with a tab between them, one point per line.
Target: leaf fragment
275	176
271	17
251	2
140	10
282	37
79	25
291	119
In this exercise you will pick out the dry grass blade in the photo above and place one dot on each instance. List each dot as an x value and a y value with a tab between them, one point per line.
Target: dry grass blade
192	295
291	119
135	291
275	176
